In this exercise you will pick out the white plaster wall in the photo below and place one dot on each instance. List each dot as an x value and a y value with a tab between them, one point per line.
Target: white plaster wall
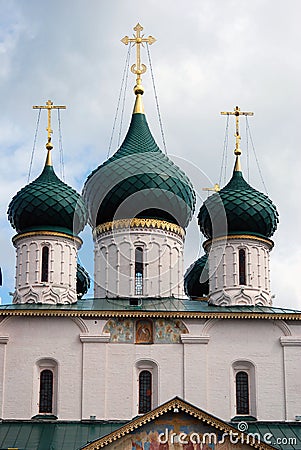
224	287
257	342
61	285
114	259
99	378
31	339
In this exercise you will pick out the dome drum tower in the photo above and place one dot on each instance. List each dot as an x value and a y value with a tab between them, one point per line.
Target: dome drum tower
46	267
239	270
141	257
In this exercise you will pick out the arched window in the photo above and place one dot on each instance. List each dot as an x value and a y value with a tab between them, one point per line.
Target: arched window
46	392
242	266
242	393
138	271
45	263
145	391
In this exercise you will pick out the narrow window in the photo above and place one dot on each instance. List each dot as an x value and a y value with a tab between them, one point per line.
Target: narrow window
46	391
242	266
138	271
145	391
45	263
242	393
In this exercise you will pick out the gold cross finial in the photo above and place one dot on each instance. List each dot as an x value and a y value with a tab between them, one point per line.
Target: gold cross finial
49	106
215	188
138	68
237	112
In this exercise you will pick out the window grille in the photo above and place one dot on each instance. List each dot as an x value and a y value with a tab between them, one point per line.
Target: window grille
45	264
46	391
138	271
242	393
145	391
242	266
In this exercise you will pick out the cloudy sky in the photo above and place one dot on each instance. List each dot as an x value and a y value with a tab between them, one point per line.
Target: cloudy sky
210	55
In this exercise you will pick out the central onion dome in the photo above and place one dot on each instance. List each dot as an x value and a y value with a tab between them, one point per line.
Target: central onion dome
238	209
139	180
47	204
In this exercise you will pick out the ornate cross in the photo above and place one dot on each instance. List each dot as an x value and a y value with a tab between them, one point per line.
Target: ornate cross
49	106
138	68
237	112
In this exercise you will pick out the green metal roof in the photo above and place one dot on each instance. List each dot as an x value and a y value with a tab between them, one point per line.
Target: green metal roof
238	209
47	204
140	170
156	305
281	435
57	435
52	435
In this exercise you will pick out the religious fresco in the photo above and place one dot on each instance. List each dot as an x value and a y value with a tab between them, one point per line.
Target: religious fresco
169	331
121	330
145	331
180	433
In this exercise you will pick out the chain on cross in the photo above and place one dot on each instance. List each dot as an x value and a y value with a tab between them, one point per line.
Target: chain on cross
237	112
138	68
49	106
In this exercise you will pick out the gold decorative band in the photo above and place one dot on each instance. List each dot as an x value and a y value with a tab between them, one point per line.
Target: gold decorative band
239	236
47	233
139	223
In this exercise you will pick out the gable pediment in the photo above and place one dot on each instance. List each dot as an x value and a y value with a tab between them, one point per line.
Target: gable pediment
177	425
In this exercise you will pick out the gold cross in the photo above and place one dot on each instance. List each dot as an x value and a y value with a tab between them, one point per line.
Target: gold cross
138	68
215	188
49	106
237	112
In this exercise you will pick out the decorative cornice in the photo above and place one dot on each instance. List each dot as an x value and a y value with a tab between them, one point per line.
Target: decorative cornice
238	237
152	314
139	223
290	341
190	339
87	338
171	406
47	233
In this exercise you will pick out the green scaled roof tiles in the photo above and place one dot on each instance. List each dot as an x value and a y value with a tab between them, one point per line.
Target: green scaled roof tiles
139	181
196	278
47	204
238	209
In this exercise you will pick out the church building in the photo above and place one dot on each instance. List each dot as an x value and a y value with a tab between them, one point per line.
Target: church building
159	358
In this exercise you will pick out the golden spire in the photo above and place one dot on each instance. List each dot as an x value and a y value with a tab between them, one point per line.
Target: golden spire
49	106
237	112
138	68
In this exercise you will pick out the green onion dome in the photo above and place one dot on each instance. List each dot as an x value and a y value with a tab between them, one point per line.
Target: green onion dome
82	281
196	278
238	209
139	181
47	204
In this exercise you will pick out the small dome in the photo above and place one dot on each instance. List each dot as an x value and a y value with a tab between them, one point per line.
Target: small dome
82	281
47	204
196	278
139	181
238	209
